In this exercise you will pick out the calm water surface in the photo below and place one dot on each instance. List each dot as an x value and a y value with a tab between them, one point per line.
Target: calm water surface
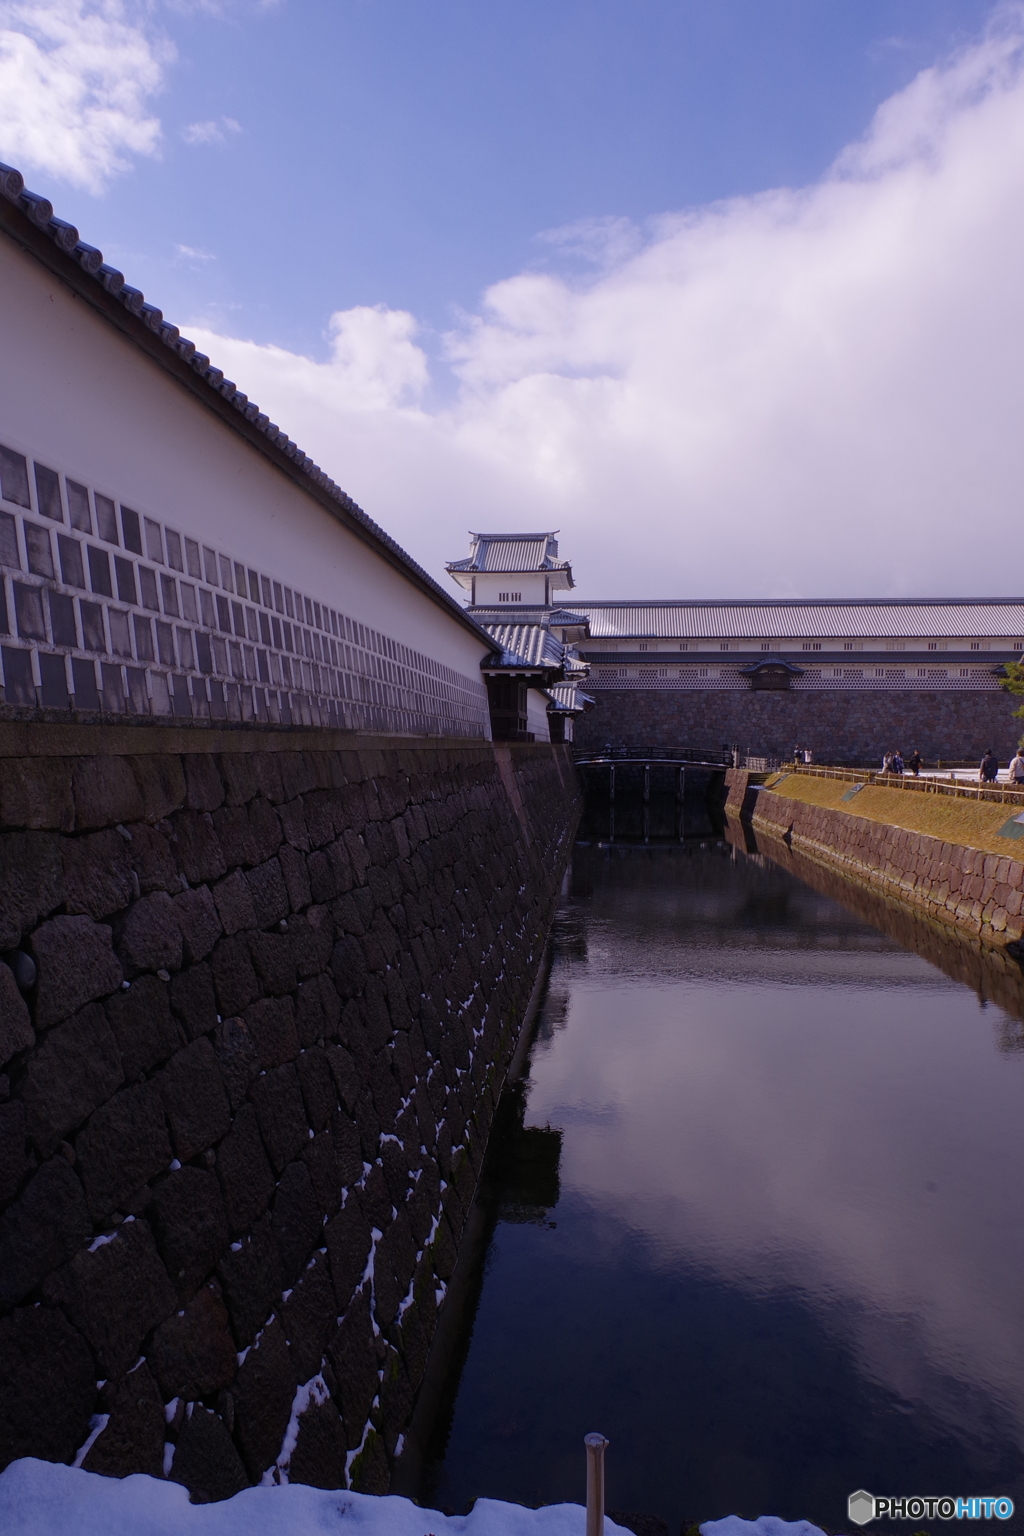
759	1212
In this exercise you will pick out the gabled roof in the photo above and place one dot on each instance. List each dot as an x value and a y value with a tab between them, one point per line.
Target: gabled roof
28	219
567	699
512	554
860	618
525	647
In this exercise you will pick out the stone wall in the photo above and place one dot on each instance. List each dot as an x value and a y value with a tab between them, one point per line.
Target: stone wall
259	994
839	727
979	892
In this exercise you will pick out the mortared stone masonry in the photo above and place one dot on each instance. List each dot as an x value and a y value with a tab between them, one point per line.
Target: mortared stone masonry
259	992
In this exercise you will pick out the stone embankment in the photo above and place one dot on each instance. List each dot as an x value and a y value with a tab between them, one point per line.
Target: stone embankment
260	992
968	871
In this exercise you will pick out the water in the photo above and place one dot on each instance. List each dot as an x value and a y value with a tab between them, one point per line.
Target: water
756	1211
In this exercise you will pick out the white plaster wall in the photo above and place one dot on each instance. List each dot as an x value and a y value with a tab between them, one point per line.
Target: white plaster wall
537	714
489	588
77	395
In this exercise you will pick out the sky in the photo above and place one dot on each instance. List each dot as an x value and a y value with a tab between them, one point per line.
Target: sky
727	291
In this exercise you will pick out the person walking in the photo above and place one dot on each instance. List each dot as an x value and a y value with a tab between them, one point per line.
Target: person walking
988	768
897	761
887	763
1016	770
914	763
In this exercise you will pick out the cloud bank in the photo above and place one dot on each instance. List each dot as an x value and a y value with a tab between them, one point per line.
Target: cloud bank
809	391
76	77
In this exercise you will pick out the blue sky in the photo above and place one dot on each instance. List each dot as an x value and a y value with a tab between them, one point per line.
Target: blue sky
410	153
543	262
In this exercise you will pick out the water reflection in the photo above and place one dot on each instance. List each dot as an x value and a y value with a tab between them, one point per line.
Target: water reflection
779	1255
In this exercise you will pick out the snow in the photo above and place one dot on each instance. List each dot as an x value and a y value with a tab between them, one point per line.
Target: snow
40	1498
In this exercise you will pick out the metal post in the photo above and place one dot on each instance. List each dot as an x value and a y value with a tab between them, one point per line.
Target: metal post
647	782
611	782
596	1446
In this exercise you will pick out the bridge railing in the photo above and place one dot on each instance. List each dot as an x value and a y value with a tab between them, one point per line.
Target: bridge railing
707	756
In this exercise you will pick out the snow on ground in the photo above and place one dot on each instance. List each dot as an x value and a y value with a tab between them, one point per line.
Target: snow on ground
40	1498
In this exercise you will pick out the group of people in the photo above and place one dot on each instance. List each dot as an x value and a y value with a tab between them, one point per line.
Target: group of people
893	762
988	768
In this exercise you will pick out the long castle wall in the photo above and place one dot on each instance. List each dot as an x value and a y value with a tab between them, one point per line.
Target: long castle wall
259	995
838	726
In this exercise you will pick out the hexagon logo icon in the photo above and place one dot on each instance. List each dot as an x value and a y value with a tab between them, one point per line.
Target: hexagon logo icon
860	1507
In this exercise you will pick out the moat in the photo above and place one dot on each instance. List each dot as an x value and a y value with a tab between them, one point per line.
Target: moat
756	1211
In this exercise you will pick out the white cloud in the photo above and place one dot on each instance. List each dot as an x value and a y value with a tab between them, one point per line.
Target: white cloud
76	77
808	391
217	132
193	254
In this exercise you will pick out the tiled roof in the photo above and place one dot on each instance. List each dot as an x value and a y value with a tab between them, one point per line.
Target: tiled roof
526	646
568	699
511	554
865	619
83	268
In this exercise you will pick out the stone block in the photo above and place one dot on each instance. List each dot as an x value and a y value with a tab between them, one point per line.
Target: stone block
35	793
195	1099
161	782
239	775
197	848
353	1360
293	824
114	1295
15	1158
75	964
274	959
133	1440
204	790
234	903
16	1032
268	775
193	1353
205	1459
199	923
104	792
309	1317
41	1230
146	1033
370	1471
244	1172
348	967
271	1024
263	1399
313	1019
325	1173
194	1000
296	1222
237	1058
47	1386
318	1087
190	1225
150	938
97	873
233	975
295	876
234	834
123	1146
277	1098
393	1267
152	858
365	1117
443	1251
320	1453
396	1400
269	893
33	883
265	827
347	1147
75	1070
349	1240
250	1274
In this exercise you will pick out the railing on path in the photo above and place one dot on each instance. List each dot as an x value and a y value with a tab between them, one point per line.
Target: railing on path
998	794
706	757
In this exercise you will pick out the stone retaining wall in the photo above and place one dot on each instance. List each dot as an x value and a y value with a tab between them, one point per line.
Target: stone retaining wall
261	989
977	891
840	726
